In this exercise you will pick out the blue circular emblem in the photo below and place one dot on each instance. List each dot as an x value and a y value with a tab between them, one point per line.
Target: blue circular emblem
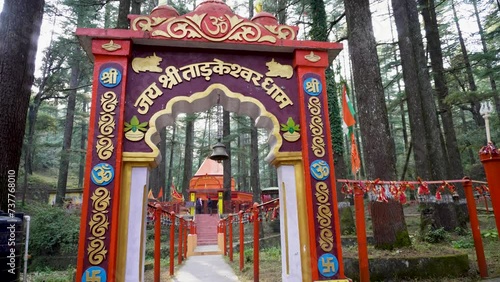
102	174
320	170
313	86
94	273
110	77
328	265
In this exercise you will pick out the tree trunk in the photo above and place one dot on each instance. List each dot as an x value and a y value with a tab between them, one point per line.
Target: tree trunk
474	105
136	7
19	30
123	11
170	164
188	155
226	129
424	125
68	133
389	226
30	135
83	139
455	170
282	16
380	160
401	104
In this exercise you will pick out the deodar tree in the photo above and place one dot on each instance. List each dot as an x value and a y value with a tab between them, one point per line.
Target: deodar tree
389	227
20	23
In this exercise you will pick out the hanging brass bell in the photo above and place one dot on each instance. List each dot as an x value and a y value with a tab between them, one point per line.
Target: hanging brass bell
219	153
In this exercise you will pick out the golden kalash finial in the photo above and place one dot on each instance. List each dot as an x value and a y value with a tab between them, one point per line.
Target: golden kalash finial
258	6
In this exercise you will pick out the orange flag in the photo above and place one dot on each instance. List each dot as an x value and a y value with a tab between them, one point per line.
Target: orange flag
160	194
349	121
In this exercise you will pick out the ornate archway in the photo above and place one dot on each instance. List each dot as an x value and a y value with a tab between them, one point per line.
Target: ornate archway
169	64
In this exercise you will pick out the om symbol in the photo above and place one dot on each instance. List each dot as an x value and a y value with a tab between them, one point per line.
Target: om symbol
94	274
320	170
220	25
328	265
102	174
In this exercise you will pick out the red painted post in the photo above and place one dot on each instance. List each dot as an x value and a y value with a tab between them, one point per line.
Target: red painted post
491	164
255	243
230	222
242	240
172	241
225	239
193	228
179	242
157	243
185	238
364	273
476	232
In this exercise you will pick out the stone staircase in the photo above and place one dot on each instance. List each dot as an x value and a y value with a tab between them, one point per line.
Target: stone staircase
206	229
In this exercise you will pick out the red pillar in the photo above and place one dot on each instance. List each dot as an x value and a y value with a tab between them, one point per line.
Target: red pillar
242	243
224	234
491	164
179	242
157	243
172	241
476	233
230	222
255	244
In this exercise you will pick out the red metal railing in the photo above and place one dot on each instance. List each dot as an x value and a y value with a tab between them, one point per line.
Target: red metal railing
360	187
164	217
252	215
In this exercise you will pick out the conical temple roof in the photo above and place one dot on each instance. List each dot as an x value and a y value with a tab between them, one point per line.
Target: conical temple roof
210	167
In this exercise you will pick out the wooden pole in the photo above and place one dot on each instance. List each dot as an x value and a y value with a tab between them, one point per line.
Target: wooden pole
225	237
179	242
172	240
255	243
242	241
230	222
476	232
157	244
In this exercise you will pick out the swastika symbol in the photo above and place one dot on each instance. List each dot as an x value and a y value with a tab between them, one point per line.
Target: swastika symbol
328	265
94	274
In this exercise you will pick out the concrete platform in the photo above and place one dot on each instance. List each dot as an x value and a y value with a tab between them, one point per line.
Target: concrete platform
207	250
205	268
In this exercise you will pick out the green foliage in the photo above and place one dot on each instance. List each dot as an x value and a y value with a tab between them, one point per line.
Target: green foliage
436	236
52	276
463	243
54	231
490	234
334	115
272	253
248	255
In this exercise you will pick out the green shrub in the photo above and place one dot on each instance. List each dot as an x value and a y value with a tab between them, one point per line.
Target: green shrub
53	231
464	243
490	234
436	235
